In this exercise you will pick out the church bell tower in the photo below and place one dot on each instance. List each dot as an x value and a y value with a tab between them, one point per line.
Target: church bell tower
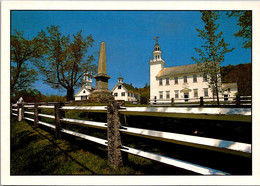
156	65
87	80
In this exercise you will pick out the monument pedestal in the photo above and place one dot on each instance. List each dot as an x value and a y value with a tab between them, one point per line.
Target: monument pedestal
101	96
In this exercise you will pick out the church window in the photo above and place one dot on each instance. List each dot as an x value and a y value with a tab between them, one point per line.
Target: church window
185	79
195	92
119	87
228	89
167	81
175	80
167	94
160	81
122	93
84	91
206	93
115	94
195	79
161	94
176	94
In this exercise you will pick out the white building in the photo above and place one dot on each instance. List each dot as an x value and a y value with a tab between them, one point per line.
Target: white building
177	82
126	92
86	89
229	90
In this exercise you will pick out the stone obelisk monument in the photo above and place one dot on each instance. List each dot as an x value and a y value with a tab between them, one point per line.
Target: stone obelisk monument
101	94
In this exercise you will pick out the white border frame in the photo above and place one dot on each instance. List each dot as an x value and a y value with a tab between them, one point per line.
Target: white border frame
6	179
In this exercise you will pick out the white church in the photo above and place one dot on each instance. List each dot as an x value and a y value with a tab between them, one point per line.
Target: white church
180	82
86	88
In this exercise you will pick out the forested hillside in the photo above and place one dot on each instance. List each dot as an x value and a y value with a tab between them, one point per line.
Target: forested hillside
242	74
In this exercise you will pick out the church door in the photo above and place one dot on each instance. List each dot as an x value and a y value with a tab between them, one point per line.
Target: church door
186	96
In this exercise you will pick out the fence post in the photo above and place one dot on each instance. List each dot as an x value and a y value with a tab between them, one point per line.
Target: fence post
201	101
58	115
238	100
36	112
172	101
20	113
113	135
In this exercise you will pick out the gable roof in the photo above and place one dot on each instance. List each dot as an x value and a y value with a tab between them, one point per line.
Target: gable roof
130	88
127	87
83	88
178	70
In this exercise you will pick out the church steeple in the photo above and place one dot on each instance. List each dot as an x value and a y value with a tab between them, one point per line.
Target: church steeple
157	53
87	80
120	79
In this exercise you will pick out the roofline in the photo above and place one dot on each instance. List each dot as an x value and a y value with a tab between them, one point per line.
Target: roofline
177	75
124	88
81	90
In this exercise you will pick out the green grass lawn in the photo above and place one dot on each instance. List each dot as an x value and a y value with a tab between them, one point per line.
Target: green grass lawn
36	152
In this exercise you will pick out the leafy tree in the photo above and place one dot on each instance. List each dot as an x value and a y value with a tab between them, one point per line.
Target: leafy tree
65	60
245	23
212	52
145	94
23	51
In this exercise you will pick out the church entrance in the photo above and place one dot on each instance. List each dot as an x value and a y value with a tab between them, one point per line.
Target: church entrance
186	96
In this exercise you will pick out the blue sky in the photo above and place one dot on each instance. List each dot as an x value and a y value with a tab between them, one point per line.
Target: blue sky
129	38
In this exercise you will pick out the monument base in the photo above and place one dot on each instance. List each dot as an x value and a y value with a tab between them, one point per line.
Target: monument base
101	96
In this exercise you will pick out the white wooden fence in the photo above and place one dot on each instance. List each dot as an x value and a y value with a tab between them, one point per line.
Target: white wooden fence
202	101
231	147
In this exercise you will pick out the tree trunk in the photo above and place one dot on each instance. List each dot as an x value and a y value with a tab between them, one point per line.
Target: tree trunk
70	94
217	94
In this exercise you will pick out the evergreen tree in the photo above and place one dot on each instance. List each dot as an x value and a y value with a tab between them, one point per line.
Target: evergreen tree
212	52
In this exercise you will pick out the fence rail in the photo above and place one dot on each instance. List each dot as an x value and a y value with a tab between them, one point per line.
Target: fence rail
230	147
238	100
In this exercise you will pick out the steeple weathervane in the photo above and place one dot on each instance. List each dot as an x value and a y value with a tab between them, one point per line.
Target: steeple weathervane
156	38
